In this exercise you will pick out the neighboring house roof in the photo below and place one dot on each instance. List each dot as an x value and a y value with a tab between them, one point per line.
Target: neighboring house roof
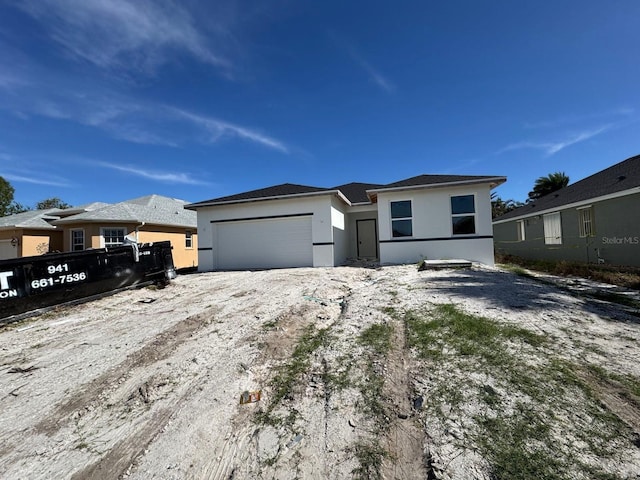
355	192
618	178
36	219
152	209
65	212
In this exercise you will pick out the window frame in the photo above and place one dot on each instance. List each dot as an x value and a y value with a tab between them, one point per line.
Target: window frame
586	223
393	219
521	230
188	239
103	239
473	214
72	243
549	239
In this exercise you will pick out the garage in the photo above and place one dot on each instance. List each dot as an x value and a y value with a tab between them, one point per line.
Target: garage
275	242
7	250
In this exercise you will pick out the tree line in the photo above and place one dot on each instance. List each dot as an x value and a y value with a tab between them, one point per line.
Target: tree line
542	186
8	206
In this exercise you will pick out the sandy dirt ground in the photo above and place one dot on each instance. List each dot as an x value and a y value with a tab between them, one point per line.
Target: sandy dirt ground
146	383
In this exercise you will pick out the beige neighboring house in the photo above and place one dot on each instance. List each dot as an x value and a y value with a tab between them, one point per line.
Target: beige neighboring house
152	218
29	233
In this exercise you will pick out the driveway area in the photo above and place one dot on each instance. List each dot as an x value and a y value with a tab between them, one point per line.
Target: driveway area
349	373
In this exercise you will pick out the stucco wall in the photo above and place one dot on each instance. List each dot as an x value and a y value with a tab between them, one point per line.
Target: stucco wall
182	257
616	240
432	227
340	236
321	224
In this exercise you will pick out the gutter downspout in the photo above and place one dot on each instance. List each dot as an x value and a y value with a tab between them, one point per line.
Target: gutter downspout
138	231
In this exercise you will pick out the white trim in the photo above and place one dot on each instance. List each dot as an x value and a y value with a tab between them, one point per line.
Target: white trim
610	196
438	185
274	197
84	239
102	229
585	207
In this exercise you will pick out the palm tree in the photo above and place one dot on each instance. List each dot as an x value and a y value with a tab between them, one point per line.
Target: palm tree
546	185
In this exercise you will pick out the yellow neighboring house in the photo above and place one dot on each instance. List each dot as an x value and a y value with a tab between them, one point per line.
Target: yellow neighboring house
152	218
29	233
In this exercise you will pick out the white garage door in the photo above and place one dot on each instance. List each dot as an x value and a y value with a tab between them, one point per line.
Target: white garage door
267	243
7	250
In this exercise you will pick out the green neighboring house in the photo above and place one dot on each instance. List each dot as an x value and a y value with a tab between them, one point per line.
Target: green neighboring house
595	220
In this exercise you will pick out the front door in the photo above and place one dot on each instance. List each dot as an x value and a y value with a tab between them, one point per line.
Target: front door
367	238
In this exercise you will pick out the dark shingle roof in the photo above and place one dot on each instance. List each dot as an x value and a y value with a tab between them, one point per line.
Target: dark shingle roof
357	192
436	179
619	177
281	190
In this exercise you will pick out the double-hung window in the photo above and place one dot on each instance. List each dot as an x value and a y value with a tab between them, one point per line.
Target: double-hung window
585	222
113	236
401	219
77	240
552	229
188	239
463	215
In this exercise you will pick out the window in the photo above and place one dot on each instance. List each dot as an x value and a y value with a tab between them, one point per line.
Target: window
585	222
188	239
77	240
463	215
401	219
520	227
552	229
113	236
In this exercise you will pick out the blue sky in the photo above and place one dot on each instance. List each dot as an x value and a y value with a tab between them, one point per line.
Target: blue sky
106	100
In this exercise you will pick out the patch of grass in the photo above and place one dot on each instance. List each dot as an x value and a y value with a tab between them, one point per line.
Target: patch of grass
614	274
370	457
531	394
518	271
340	380
615	297
469	335
288	375
377	337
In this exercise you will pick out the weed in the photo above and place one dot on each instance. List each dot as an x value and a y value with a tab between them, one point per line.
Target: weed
377	337
370	457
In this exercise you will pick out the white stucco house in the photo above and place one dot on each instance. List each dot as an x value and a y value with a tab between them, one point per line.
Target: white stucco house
423	217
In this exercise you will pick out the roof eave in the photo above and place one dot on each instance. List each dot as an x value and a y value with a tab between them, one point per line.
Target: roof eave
195	206
492	181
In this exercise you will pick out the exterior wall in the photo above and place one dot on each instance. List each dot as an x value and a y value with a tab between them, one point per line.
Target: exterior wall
182	257
321	224
432	226
616	240
339	231
364	212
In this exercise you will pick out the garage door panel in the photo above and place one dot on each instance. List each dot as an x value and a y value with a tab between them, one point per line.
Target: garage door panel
267	243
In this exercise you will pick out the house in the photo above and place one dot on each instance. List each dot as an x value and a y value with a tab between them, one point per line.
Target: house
146	219
595	220
29	233
288	225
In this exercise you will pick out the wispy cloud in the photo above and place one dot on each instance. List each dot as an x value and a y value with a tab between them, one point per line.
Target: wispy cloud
51	181
550	148
157	175
573	119
218	129
374	74
120	34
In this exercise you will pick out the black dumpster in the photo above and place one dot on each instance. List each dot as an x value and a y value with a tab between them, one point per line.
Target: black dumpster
31	283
